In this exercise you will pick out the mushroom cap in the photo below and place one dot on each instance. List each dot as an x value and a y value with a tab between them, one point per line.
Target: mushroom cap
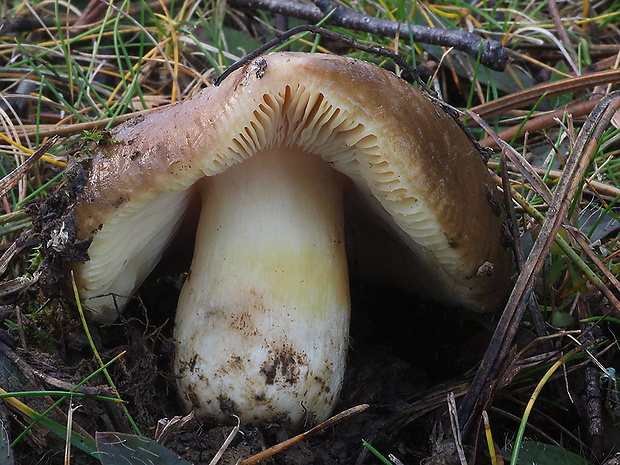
409	162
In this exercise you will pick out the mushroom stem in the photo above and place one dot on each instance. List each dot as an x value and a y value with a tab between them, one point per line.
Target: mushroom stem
263	318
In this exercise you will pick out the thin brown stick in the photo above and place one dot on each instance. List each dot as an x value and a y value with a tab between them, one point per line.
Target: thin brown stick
283	445
226	443
598	187
551	89
78	128
552	6
543	121
11	179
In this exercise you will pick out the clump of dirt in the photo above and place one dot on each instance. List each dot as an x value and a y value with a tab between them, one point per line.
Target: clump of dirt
54	228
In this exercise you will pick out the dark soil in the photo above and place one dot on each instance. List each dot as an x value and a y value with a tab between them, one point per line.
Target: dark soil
401	350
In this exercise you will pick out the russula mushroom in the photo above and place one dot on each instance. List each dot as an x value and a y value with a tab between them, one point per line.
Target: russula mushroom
280	154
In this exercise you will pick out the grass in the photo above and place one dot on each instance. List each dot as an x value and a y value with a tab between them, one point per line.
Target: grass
80	72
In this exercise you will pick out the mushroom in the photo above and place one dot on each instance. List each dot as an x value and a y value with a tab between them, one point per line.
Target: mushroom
280	154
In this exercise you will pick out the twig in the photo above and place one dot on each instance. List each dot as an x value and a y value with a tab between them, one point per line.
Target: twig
20	326
539	323
69	431
226	443
456	432
8	255
78	128
165	427
294	440
395	460
594	403
504	334
551	89
282	7
18	284
552	6
18	173
597	187
382	51
543	121
492	53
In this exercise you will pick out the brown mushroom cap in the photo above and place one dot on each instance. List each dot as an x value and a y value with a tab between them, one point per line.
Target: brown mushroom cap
410	163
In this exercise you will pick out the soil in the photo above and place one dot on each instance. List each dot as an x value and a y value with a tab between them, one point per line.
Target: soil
401	350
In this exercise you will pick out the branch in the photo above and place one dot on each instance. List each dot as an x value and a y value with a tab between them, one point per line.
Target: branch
492	53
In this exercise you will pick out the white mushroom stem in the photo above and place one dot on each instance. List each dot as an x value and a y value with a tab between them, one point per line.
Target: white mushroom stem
263	318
